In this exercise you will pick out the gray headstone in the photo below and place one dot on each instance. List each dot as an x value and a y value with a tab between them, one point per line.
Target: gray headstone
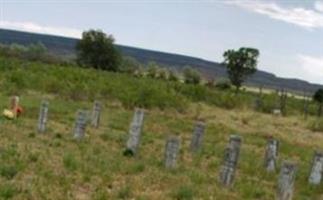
271	155
197	136
171	151
286	181
231	157
42	119
96	114
317	169
80	124
135	131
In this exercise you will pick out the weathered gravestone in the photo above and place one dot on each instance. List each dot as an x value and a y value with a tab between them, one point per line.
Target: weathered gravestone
271	155
42	119
317	169
231	157
286	181
96	114
135	133
197	136
171	151
80	124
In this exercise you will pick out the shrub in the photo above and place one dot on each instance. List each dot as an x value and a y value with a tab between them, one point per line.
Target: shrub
223	84
191	76
316	125
172	76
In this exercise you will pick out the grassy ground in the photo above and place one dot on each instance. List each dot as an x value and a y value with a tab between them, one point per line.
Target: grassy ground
54	166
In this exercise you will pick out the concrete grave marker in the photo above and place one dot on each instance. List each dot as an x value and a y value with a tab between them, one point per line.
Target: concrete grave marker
80	124
286	181
171	151
96	114
42	119
135	132
271	155
197	136
317	169
231	157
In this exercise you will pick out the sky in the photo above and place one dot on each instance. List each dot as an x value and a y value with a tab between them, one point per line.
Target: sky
288	33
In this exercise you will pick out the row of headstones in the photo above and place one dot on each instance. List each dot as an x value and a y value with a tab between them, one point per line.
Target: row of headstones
80	122
231	157
232	151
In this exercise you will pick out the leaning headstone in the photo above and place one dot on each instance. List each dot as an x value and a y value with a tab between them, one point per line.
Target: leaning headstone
271	155
135	133
231	157
42	119
80	124
317	169
197	136
171	152
286	181
96	114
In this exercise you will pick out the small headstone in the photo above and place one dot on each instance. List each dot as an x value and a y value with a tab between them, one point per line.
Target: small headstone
135	132
231	157
42	120
197	136
171	151
80	124
277	112
317	169
96	114
271	155
286	181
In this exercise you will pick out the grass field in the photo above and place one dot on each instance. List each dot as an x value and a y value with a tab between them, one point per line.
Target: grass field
54	166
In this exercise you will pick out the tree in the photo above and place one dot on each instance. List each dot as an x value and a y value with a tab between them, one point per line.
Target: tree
191	76
318	97
97	50
240	64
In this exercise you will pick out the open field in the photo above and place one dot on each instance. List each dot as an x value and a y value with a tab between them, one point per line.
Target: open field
54	166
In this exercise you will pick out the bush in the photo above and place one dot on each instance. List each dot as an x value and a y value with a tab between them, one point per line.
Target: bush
172	76
316	125
191	76
223	84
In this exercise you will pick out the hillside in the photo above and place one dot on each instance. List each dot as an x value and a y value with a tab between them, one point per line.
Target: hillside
55	166
65	47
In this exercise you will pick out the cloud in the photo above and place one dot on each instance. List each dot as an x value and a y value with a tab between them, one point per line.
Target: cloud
312	66
305	18
319	6
36	28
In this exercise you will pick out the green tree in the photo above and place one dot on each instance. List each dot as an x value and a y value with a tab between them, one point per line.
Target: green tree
240	64
191	76
318	97
97	50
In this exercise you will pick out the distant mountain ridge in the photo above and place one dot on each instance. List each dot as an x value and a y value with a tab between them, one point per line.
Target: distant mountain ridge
66	46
